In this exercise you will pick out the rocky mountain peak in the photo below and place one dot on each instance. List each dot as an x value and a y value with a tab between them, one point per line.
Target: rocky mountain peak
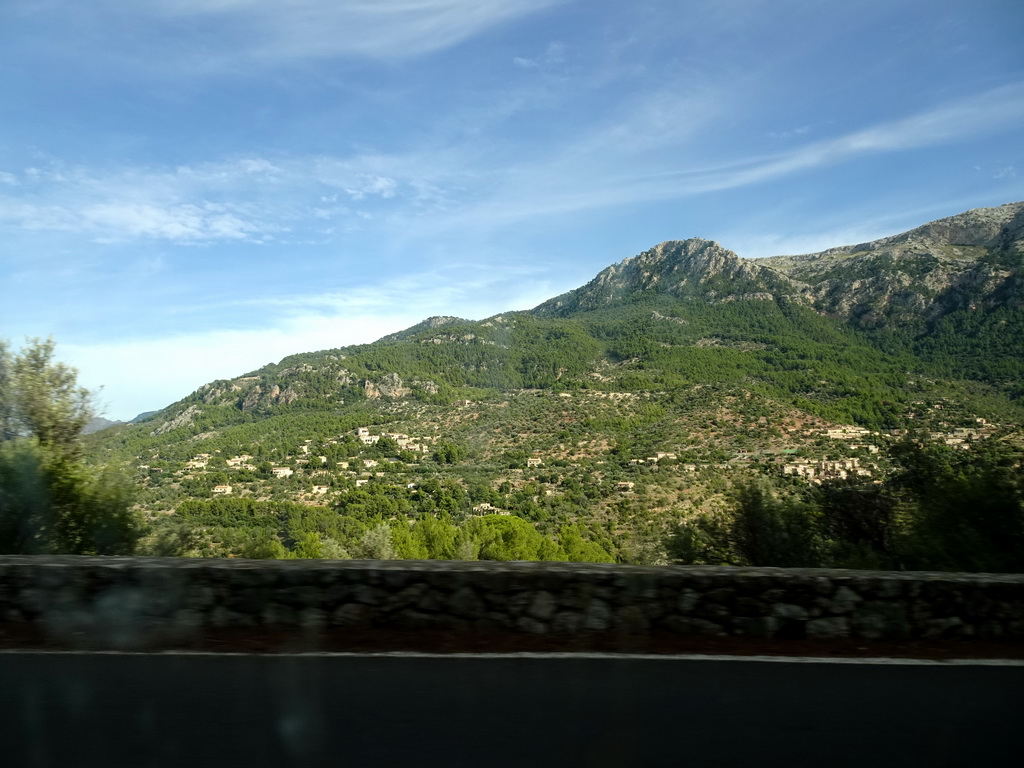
430	323
964	261
682	268
980	228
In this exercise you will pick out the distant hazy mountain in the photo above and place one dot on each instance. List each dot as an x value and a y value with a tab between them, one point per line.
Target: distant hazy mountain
98	424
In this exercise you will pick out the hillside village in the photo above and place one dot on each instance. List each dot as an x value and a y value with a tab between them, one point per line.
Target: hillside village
653	396
316	471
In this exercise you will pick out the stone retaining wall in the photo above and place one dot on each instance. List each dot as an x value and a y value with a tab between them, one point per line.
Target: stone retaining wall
129	602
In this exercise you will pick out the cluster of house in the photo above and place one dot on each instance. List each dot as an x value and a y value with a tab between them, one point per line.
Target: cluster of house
199	462
846	433
486	508
653	459
245	460
405	442
825	469
962	438
241	462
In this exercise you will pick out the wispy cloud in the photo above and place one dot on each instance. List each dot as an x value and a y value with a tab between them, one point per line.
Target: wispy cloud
260	199
246	199
222	33
792	133
568	185
382	186
989	112
552	56
182	223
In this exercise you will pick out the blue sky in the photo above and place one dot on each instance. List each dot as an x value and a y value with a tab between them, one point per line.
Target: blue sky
190	189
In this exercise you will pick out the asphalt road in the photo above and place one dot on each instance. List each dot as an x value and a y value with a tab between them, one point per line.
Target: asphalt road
80	709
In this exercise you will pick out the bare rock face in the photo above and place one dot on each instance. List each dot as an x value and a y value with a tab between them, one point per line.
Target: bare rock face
756	296
924	273
995	228
658	316
253	398
390	386
683	268
428	324
288	396
438	321
184	419
258	397
427	386
213	393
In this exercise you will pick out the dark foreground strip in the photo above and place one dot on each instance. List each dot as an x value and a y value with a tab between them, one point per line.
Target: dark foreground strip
296	710
449	642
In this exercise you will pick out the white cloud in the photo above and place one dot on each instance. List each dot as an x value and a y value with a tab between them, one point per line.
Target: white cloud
250	199
182	223
553	55
8	178
244	199
380	186
239	199
302	29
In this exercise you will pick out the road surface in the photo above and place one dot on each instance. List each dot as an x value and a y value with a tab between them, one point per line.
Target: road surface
180	709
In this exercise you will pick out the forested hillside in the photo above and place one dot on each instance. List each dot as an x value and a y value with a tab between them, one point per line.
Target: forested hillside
595	425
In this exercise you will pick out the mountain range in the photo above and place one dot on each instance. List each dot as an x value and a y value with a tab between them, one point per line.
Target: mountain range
685	350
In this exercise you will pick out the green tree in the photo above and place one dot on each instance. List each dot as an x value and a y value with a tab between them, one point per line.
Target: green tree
772	531
43	397
764	530
504	537
437	537
960	511
50	501
309	547
702	539
377	544
577	549
264	546
407	546
52	504
448	453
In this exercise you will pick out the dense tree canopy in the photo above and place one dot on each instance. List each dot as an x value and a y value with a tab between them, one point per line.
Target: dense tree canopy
940	510
50	502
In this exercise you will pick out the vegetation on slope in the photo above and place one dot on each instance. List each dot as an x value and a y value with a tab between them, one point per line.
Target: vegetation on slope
603	419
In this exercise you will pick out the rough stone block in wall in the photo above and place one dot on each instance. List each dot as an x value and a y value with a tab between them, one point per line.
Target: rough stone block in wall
134	602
